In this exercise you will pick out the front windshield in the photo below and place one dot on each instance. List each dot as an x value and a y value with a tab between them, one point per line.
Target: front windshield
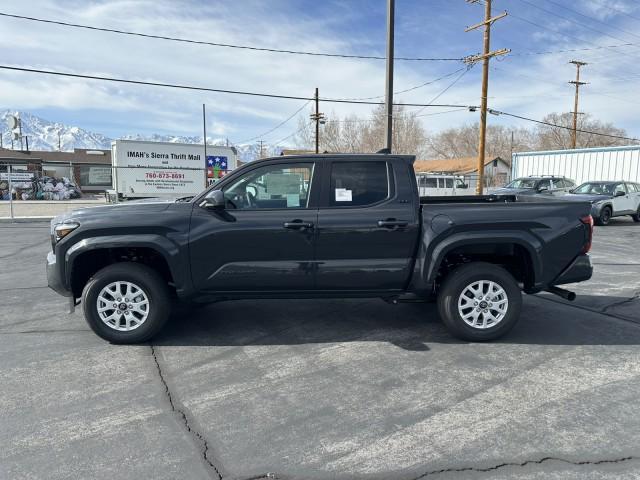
522	183
597	188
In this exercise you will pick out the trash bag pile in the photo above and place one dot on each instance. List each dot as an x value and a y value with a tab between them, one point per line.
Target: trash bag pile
43	188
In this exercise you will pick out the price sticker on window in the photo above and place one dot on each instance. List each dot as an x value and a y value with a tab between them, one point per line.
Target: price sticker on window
343	195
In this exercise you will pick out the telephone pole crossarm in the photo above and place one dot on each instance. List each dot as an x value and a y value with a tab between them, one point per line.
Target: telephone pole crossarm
477	58
486	22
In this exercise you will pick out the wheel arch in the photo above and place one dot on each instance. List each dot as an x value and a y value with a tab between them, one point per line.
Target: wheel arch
90	255
520	255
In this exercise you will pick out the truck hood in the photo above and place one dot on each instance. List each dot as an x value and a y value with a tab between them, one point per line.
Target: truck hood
585	197
137	207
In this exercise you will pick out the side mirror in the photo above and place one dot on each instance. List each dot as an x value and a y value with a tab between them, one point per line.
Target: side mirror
619	193
215	200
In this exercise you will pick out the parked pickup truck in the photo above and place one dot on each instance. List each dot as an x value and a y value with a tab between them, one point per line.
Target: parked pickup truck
318	227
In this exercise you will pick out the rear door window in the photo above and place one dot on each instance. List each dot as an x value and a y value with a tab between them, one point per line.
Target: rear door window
358	184
448	182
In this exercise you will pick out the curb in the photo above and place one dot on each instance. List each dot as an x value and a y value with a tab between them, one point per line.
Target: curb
4	220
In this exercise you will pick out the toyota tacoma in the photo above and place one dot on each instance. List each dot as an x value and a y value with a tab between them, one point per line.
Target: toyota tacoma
318	226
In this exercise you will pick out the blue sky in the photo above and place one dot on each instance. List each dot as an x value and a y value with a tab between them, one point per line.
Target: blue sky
524	82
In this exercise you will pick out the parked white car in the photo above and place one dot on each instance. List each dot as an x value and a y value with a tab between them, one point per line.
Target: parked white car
439	185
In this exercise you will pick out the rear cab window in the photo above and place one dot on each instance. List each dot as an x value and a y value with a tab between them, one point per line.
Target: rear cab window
358	183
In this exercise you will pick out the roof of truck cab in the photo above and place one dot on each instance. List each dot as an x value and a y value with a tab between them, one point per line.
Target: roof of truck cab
344	156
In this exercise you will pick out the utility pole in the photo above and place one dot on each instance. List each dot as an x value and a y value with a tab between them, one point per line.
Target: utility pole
261	144
486	55
389	77
577	83
20	130
204	141
317	117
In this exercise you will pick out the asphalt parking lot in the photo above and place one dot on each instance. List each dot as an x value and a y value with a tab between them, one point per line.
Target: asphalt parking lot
322	389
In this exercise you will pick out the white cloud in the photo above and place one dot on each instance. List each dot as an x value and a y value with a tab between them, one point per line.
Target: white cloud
533	85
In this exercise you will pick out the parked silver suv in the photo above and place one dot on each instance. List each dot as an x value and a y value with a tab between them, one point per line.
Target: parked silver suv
545	185
609	199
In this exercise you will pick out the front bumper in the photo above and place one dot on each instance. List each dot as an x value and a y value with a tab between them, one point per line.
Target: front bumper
579	271
54	279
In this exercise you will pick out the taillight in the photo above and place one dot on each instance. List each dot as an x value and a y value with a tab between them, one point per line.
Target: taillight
588	221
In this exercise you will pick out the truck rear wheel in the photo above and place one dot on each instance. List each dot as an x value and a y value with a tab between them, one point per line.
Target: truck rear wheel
126	303
479	302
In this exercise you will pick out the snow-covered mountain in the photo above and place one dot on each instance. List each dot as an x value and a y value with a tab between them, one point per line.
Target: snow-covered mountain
43	135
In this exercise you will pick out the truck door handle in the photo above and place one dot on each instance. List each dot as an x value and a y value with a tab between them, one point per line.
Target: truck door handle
391	223
297	225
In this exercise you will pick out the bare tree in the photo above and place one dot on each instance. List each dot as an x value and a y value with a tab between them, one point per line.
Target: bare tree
463	142
552	138
353	134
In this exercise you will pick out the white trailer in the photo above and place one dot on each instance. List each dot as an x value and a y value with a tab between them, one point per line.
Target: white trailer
581	165
144	169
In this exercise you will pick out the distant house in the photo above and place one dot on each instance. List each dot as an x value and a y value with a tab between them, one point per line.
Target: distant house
496	170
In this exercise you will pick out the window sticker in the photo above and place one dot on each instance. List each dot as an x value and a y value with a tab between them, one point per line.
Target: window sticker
293	200
343	195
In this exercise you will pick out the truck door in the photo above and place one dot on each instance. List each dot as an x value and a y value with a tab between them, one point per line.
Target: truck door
368	225
264	238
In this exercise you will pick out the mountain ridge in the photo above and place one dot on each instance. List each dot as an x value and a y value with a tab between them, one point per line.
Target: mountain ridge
47	135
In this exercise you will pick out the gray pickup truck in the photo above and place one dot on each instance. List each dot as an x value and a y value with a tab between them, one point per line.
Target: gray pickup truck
318	226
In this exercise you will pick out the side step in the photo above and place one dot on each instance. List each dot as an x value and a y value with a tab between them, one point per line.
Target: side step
406	298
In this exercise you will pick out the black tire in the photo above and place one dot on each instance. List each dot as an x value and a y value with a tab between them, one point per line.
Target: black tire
636	217
152	285
453	288
604	218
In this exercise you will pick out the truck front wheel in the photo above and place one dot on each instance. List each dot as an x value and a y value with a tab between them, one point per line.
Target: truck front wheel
126	303
479	302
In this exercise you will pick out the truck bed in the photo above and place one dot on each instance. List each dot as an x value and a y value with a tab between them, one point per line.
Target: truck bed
468	199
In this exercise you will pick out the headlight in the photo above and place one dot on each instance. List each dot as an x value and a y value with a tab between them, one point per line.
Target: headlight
63	229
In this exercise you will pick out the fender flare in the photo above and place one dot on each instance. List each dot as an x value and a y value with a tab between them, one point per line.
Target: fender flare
528	241
160	244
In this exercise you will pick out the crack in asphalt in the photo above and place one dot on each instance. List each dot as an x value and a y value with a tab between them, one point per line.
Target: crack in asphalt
593	310
635	296
194	433
524	464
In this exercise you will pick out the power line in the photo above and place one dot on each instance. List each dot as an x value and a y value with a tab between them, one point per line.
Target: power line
580	24
456	80
542	122
216	44
573	50
593	19
277	126
412	88
294	133
616	9
207	89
